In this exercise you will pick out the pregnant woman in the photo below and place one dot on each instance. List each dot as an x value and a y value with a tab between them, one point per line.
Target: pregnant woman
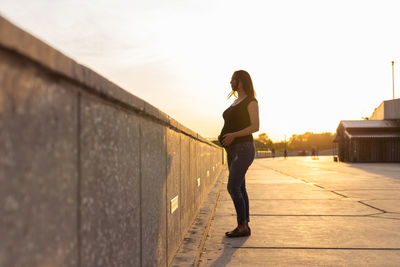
241	120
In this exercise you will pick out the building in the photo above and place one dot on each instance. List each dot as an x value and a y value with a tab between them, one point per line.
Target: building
376	139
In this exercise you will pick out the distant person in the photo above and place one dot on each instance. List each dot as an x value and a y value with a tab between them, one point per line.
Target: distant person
313	153
240	121
285	153
273	153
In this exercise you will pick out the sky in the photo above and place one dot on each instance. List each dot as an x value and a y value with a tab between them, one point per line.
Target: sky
313	63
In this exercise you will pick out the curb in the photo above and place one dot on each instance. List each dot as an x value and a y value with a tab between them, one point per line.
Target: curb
192	245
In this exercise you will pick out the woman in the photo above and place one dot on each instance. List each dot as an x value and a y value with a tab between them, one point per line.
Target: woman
241	120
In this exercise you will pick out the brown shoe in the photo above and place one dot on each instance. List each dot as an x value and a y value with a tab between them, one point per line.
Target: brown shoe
230	232
248	227
239	233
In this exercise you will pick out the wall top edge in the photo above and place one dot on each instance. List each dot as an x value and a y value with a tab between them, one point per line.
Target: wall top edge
15	39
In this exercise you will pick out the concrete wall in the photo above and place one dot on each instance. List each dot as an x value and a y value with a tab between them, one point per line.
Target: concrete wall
392	109
87	170
387	110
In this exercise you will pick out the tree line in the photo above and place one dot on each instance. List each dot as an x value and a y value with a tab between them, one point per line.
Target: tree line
297	142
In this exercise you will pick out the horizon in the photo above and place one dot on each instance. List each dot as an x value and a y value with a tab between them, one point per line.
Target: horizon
309	69
255	136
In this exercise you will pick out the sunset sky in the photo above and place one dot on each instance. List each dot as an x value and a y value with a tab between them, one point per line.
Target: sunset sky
313	63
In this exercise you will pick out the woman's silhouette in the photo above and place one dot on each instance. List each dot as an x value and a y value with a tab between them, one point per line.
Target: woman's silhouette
241	120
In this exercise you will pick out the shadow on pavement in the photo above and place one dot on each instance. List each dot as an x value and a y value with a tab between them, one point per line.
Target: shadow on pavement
228	251
391	169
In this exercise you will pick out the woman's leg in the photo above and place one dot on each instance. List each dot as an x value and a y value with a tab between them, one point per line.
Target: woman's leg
242	157
229	161
246	199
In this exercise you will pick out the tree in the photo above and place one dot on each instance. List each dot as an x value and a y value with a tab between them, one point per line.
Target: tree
310	140
263	142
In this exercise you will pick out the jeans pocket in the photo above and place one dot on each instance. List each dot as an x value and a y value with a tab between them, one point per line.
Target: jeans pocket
246	151
246	146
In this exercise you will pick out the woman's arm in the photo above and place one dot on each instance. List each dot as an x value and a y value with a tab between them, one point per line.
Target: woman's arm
254	125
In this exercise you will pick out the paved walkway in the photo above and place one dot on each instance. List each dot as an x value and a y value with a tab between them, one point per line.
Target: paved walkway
306	212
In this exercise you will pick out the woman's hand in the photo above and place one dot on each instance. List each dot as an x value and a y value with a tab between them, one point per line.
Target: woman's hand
227	139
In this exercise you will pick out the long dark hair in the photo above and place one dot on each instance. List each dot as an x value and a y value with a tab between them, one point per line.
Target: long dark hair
244	77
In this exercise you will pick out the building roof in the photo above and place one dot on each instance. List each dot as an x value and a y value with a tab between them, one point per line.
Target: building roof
370	124
368	129
384	123
372	135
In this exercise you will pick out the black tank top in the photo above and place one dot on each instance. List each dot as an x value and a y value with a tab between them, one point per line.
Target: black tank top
237	118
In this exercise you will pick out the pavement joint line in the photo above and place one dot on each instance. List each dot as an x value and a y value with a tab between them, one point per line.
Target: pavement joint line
311	215
381	210
317	248
319	186
289	175
373	199
269	199
388	218
369	189
339	194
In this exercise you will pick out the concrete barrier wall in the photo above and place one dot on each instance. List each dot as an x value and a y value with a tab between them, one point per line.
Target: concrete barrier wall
87	170
392	109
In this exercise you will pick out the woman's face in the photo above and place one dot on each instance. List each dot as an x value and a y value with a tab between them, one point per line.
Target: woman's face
234	83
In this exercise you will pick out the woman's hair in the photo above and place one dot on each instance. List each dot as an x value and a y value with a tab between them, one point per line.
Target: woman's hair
244	77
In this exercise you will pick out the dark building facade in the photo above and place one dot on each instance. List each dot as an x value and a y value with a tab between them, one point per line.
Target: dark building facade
373	140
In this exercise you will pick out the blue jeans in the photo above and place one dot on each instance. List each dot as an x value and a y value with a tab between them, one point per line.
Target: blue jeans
240	156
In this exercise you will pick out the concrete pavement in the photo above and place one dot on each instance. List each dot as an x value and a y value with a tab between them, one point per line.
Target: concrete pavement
306	212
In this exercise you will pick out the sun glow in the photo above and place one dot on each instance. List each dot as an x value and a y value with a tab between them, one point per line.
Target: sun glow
309	68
